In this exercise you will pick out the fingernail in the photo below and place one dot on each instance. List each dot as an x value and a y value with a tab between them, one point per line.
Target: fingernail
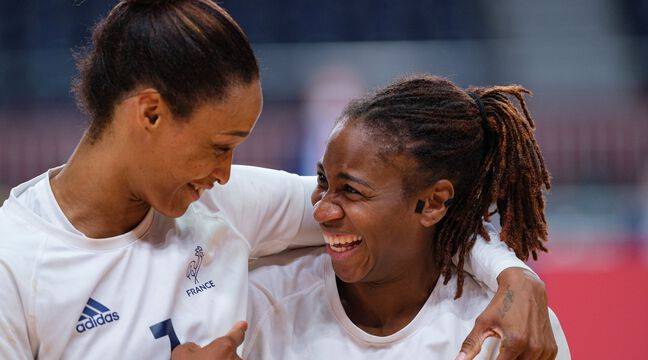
461	356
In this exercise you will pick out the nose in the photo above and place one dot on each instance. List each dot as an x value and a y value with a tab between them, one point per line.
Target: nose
221	172
325	212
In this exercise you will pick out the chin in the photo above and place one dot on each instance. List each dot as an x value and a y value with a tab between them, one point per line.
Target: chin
348	276
172	210
176	213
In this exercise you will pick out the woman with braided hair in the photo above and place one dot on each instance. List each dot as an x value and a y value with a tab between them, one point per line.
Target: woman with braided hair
409	176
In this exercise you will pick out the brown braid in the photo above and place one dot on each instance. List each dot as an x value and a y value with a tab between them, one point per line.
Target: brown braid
495	162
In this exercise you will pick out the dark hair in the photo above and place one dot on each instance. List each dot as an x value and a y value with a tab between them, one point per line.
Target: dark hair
189	50
489	161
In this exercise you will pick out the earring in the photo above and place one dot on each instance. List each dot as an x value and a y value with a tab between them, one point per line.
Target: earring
419	206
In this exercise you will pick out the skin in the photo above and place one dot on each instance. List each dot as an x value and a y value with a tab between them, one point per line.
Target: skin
360	194
147	157
384	282
223	348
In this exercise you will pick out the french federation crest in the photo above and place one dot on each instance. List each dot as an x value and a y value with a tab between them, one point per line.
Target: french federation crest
194	266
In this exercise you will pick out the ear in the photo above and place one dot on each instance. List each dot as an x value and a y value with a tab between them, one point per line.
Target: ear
150	109
436	199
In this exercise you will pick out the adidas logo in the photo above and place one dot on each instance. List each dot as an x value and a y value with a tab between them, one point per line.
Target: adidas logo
94	315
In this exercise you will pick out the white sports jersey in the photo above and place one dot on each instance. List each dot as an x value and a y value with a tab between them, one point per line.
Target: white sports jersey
169	281
136	295
295	312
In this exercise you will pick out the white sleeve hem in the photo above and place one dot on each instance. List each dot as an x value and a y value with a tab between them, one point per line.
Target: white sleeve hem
499	267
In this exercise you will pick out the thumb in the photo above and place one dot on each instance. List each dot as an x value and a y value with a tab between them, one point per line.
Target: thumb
473	342
237	332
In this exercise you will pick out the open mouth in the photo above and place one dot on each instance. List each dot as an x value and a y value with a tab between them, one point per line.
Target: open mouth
342	242
197	189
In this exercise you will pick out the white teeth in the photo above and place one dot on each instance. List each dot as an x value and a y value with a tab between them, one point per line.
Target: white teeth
198	189
332	239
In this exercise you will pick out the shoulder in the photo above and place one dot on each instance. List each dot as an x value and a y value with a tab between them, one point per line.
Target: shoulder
20	241
23	235
275	279
245	178
21	230
252	190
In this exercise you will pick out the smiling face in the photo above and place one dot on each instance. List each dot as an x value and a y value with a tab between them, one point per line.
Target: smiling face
178	158
369	223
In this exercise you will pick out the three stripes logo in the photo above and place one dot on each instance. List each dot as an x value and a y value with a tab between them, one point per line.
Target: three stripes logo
94	315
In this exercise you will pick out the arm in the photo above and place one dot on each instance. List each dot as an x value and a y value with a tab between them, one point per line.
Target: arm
520	296
487	260
270	208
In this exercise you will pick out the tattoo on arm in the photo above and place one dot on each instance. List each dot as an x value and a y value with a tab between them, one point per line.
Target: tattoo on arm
508	302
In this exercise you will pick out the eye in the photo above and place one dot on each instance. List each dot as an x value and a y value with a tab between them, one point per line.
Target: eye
321	179
220	151
348	189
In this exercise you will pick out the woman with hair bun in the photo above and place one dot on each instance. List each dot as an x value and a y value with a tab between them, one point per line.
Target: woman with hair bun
129	250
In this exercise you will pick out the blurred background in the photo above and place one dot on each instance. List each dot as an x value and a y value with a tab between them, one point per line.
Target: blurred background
586	62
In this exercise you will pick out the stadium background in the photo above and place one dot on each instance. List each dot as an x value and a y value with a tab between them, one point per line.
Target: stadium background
585	60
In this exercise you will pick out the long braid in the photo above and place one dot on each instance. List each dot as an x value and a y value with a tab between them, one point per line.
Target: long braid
494	162
511	175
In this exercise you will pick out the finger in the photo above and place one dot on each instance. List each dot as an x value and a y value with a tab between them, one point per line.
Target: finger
473	342
542	345
545	355
536	351
529	355
226	345
237	333
184	350
511	349
549	352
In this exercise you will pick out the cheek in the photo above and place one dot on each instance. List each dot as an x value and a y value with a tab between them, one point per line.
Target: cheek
186	164
384	229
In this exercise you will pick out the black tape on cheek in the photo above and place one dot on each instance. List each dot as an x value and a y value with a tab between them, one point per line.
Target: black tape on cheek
419	206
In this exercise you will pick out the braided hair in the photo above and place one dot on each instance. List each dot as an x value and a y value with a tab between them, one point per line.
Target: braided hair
490	156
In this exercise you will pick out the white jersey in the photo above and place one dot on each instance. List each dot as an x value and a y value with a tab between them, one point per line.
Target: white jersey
136	295
169	281
295	312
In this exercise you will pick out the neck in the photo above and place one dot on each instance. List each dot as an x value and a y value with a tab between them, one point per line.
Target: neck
94	193
383	308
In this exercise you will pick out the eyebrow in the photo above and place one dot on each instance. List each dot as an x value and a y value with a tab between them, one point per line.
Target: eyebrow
238	133
347	176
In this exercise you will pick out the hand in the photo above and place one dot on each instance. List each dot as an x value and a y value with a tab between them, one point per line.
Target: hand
223	348
518	315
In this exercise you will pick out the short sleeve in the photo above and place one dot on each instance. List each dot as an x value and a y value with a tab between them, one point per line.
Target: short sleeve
270	208
14	334
487	259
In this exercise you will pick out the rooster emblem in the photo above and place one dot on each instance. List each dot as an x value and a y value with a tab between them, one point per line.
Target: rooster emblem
194	265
